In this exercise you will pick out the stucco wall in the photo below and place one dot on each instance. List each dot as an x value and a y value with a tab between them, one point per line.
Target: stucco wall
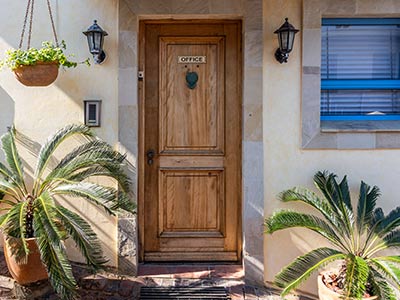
286	164
38	112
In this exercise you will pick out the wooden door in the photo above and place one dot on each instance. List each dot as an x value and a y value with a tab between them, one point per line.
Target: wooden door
190	152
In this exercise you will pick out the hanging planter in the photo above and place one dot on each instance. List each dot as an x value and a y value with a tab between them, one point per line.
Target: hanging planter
37	67
40	74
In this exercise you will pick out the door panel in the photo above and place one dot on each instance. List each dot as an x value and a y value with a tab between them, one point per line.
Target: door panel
190	192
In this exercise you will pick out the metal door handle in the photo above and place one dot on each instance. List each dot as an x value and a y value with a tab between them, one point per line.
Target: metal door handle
150	155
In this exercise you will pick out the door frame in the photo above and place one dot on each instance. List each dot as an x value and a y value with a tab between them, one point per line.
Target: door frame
141	118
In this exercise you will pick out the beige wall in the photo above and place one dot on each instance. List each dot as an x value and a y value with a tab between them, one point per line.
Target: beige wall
286	164
38	112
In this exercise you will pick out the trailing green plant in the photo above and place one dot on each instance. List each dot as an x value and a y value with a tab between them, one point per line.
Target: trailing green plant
35	212
357	235
47	53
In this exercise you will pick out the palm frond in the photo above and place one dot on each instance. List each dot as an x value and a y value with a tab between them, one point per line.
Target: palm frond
380	286
83	236
289	219
338	196
105	197
392	239
108	170
81	164
15	230
388	223
366	205
53	142
309	197
356	276
388	270
13	159
303	266
51	248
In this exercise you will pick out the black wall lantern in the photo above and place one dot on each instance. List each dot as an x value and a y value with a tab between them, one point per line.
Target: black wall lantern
95	36
286	35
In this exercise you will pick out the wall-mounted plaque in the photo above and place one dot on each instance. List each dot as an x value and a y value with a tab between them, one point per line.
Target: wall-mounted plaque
192	59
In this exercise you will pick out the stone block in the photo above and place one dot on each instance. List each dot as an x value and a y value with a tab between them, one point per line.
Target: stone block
311	14
321	141
127	49
364	7
253	15
127	246
253	122
253	48
226	7
252	93
190	7
338	7
387	140
356	141
312	47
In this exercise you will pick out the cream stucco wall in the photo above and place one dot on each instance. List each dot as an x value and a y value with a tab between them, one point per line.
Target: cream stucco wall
286	164
38	112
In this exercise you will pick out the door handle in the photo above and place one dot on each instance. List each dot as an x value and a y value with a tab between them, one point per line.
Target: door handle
150	155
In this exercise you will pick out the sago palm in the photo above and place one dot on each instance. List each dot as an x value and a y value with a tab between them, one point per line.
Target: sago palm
35	212
357	235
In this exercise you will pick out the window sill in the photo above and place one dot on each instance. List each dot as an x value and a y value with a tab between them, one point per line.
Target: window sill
360	126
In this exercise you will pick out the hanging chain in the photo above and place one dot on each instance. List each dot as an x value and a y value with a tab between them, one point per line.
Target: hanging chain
29	14
24	26
52	23
30	26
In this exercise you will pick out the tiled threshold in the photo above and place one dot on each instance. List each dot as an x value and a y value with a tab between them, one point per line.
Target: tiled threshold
191	271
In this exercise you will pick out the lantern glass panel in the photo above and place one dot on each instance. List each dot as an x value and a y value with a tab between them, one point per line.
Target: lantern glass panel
290	41
284	41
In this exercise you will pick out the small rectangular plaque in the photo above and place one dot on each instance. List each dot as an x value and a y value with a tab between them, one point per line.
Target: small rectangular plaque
192	59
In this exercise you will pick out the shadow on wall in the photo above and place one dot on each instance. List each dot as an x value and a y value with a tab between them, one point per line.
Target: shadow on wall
7	111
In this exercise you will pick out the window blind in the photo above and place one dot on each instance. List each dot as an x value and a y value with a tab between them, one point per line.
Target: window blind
360	69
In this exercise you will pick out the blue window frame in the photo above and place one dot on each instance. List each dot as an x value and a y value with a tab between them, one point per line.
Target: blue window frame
360	69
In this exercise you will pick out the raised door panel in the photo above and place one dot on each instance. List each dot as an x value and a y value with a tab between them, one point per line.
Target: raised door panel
192	203
191	119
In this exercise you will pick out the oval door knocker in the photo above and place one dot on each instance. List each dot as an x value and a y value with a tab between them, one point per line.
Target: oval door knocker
191	79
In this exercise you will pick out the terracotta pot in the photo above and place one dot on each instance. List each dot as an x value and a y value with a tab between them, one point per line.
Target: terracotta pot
326	293
41	74
31	272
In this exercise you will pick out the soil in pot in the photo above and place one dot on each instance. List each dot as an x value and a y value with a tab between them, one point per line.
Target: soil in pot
40	74
31	272
326	293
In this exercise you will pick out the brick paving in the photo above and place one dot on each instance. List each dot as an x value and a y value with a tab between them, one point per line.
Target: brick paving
111	286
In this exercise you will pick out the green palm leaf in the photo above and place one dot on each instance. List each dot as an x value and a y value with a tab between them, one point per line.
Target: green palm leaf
388	223
356	276
366	205
105	197
380	286
13	159
16	232
108	170
52	249
303	266
387	269
84	237
288	219
53	142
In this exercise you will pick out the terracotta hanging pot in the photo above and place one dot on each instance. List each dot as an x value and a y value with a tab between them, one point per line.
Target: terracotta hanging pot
31	272
326	293
40	74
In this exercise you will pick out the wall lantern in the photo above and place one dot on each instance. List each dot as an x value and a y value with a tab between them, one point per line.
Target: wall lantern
95	36
286	35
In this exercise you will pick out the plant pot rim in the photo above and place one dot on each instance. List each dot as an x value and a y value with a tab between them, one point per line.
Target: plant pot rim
327	290
54	62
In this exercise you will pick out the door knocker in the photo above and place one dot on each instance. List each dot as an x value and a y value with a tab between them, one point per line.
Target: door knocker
191	79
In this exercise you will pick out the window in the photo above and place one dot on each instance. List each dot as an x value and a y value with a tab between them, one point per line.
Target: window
360	69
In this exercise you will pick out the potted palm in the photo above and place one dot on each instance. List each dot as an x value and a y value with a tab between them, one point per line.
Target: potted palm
38	67
36	225
357	235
